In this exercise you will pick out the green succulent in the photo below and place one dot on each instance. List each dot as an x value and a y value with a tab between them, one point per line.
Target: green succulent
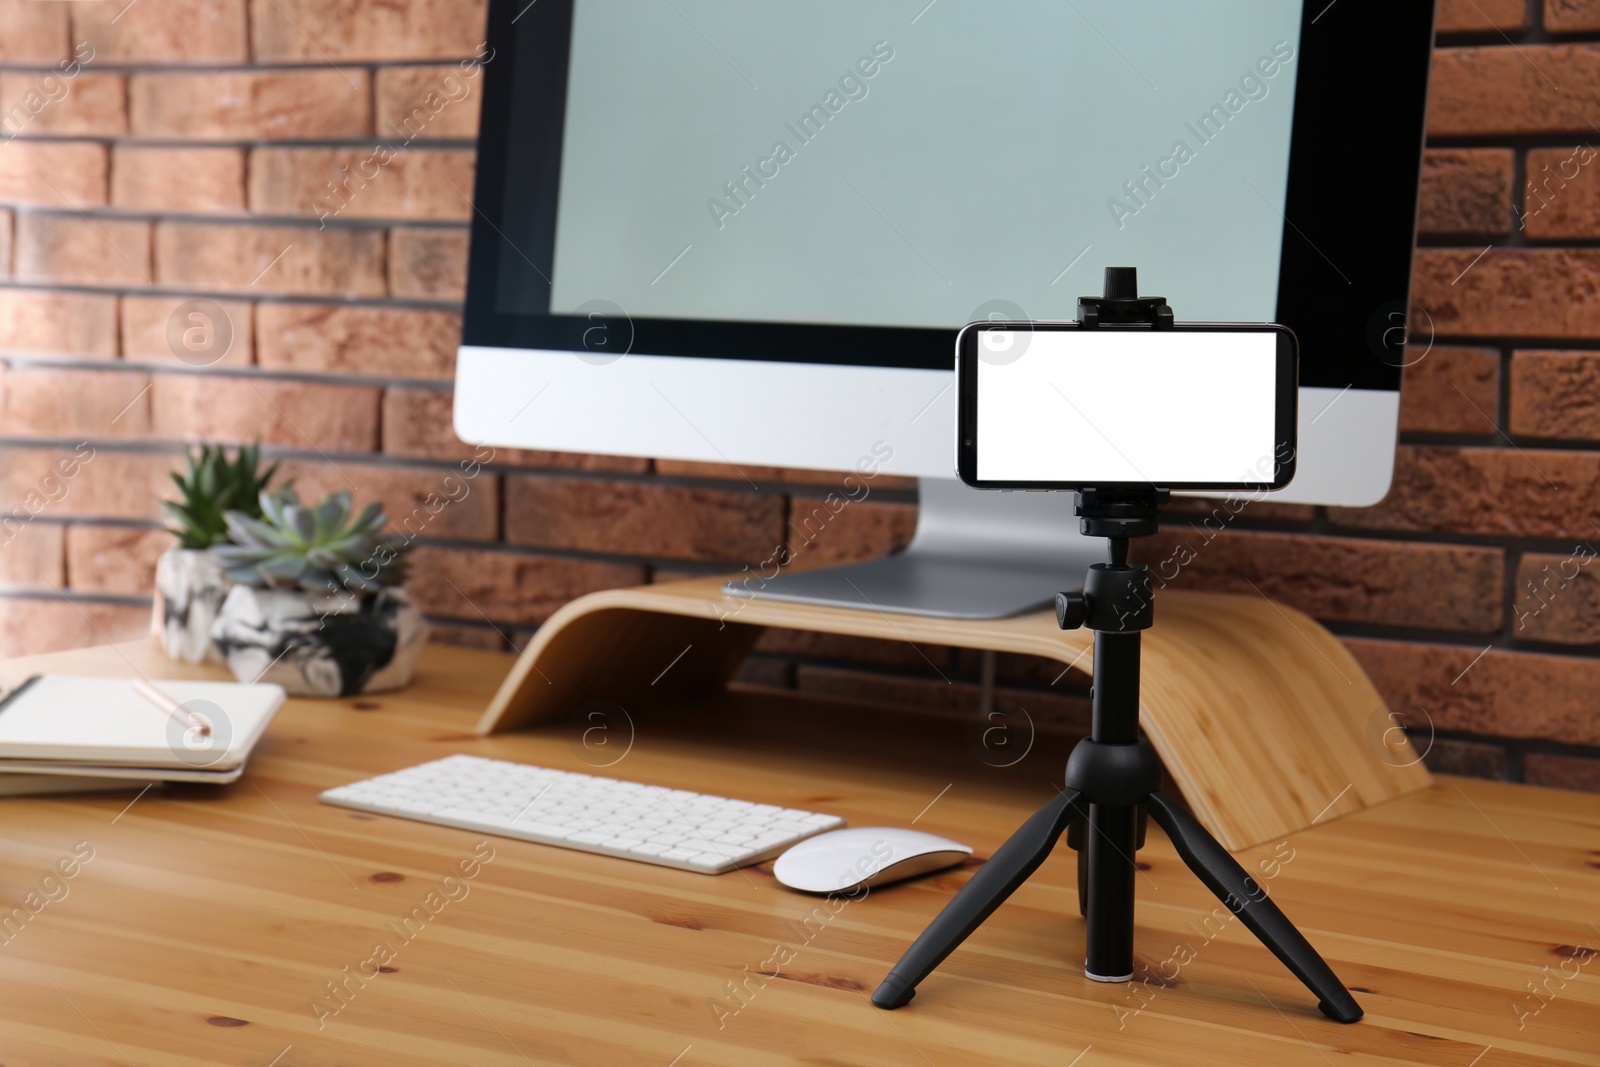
212	485
320	549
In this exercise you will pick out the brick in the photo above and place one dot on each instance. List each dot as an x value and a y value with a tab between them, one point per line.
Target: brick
1561	196
1488	491
222	257
82	251
168	33
767	673
1556	395
770	477
380	342
1450	390
836	529
114	560
362	183
187	333
427	264
190	180
950	700
58	402
639	518
1562	772
427	103
1254	510
1519	90
1571	16
31	625
1477	16
507	587
313	31
68	174
812	645
276	105
34	32
1337	579
1504	694
293	414
50	102
1465	191
71	324
1509	291
465	635
83	481
418	423
421	502
1472	759
1557	597
31	555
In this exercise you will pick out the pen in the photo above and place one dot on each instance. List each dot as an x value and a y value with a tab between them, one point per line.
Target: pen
171	707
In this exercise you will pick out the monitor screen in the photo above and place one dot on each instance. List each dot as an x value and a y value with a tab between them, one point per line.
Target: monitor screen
832	162
849	181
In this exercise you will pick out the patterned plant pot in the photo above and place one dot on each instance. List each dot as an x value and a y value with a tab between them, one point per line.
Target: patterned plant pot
191	588
321	645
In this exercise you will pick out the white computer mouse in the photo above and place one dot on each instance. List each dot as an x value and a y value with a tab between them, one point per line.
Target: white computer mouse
841	860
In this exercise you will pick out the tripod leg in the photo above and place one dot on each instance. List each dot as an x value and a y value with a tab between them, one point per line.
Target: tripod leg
1222	875
996	880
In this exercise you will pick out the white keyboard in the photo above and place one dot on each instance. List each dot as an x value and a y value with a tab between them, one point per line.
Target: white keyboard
690	831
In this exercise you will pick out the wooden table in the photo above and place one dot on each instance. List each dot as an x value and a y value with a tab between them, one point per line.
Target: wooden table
208	921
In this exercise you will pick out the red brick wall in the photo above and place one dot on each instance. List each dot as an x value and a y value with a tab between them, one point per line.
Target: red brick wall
181	149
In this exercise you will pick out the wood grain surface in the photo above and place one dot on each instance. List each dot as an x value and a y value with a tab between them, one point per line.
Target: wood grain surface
208	921
1262	717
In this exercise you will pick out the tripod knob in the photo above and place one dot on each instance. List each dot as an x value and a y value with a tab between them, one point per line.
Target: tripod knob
1071	610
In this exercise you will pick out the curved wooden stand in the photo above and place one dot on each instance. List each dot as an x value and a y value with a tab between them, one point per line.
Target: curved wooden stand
1265	721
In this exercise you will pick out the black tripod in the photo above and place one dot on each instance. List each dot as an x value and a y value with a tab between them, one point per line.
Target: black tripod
1113	776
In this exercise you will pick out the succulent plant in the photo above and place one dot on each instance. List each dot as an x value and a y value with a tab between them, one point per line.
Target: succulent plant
212	485
319	549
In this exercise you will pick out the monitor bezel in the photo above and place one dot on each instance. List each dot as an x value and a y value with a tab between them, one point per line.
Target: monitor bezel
1343	293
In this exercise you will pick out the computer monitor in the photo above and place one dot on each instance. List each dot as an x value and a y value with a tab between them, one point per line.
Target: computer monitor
747	233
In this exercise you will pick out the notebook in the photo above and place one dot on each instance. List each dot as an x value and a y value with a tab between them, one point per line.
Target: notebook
86	722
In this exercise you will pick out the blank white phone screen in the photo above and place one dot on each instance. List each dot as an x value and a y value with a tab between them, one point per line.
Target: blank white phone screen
1152	406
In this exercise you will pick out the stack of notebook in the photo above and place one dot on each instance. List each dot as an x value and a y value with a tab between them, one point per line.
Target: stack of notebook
61	733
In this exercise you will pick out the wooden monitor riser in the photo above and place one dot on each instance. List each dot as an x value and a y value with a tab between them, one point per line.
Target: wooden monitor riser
1265	721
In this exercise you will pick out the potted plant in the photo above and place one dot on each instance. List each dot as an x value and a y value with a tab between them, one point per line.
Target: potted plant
190	584
316	604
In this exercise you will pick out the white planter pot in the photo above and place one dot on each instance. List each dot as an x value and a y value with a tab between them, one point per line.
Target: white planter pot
192	587
320	645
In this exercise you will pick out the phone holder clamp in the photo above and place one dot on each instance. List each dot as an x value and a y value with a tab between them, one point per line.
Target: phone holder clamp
1122	304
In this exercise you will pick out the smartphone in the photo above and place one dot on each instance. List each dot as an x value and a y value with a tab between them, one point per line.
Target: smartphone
1197	406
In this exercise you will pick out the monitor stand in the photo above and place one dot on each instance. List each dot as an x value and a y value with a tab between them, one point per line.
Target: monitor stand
977	554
